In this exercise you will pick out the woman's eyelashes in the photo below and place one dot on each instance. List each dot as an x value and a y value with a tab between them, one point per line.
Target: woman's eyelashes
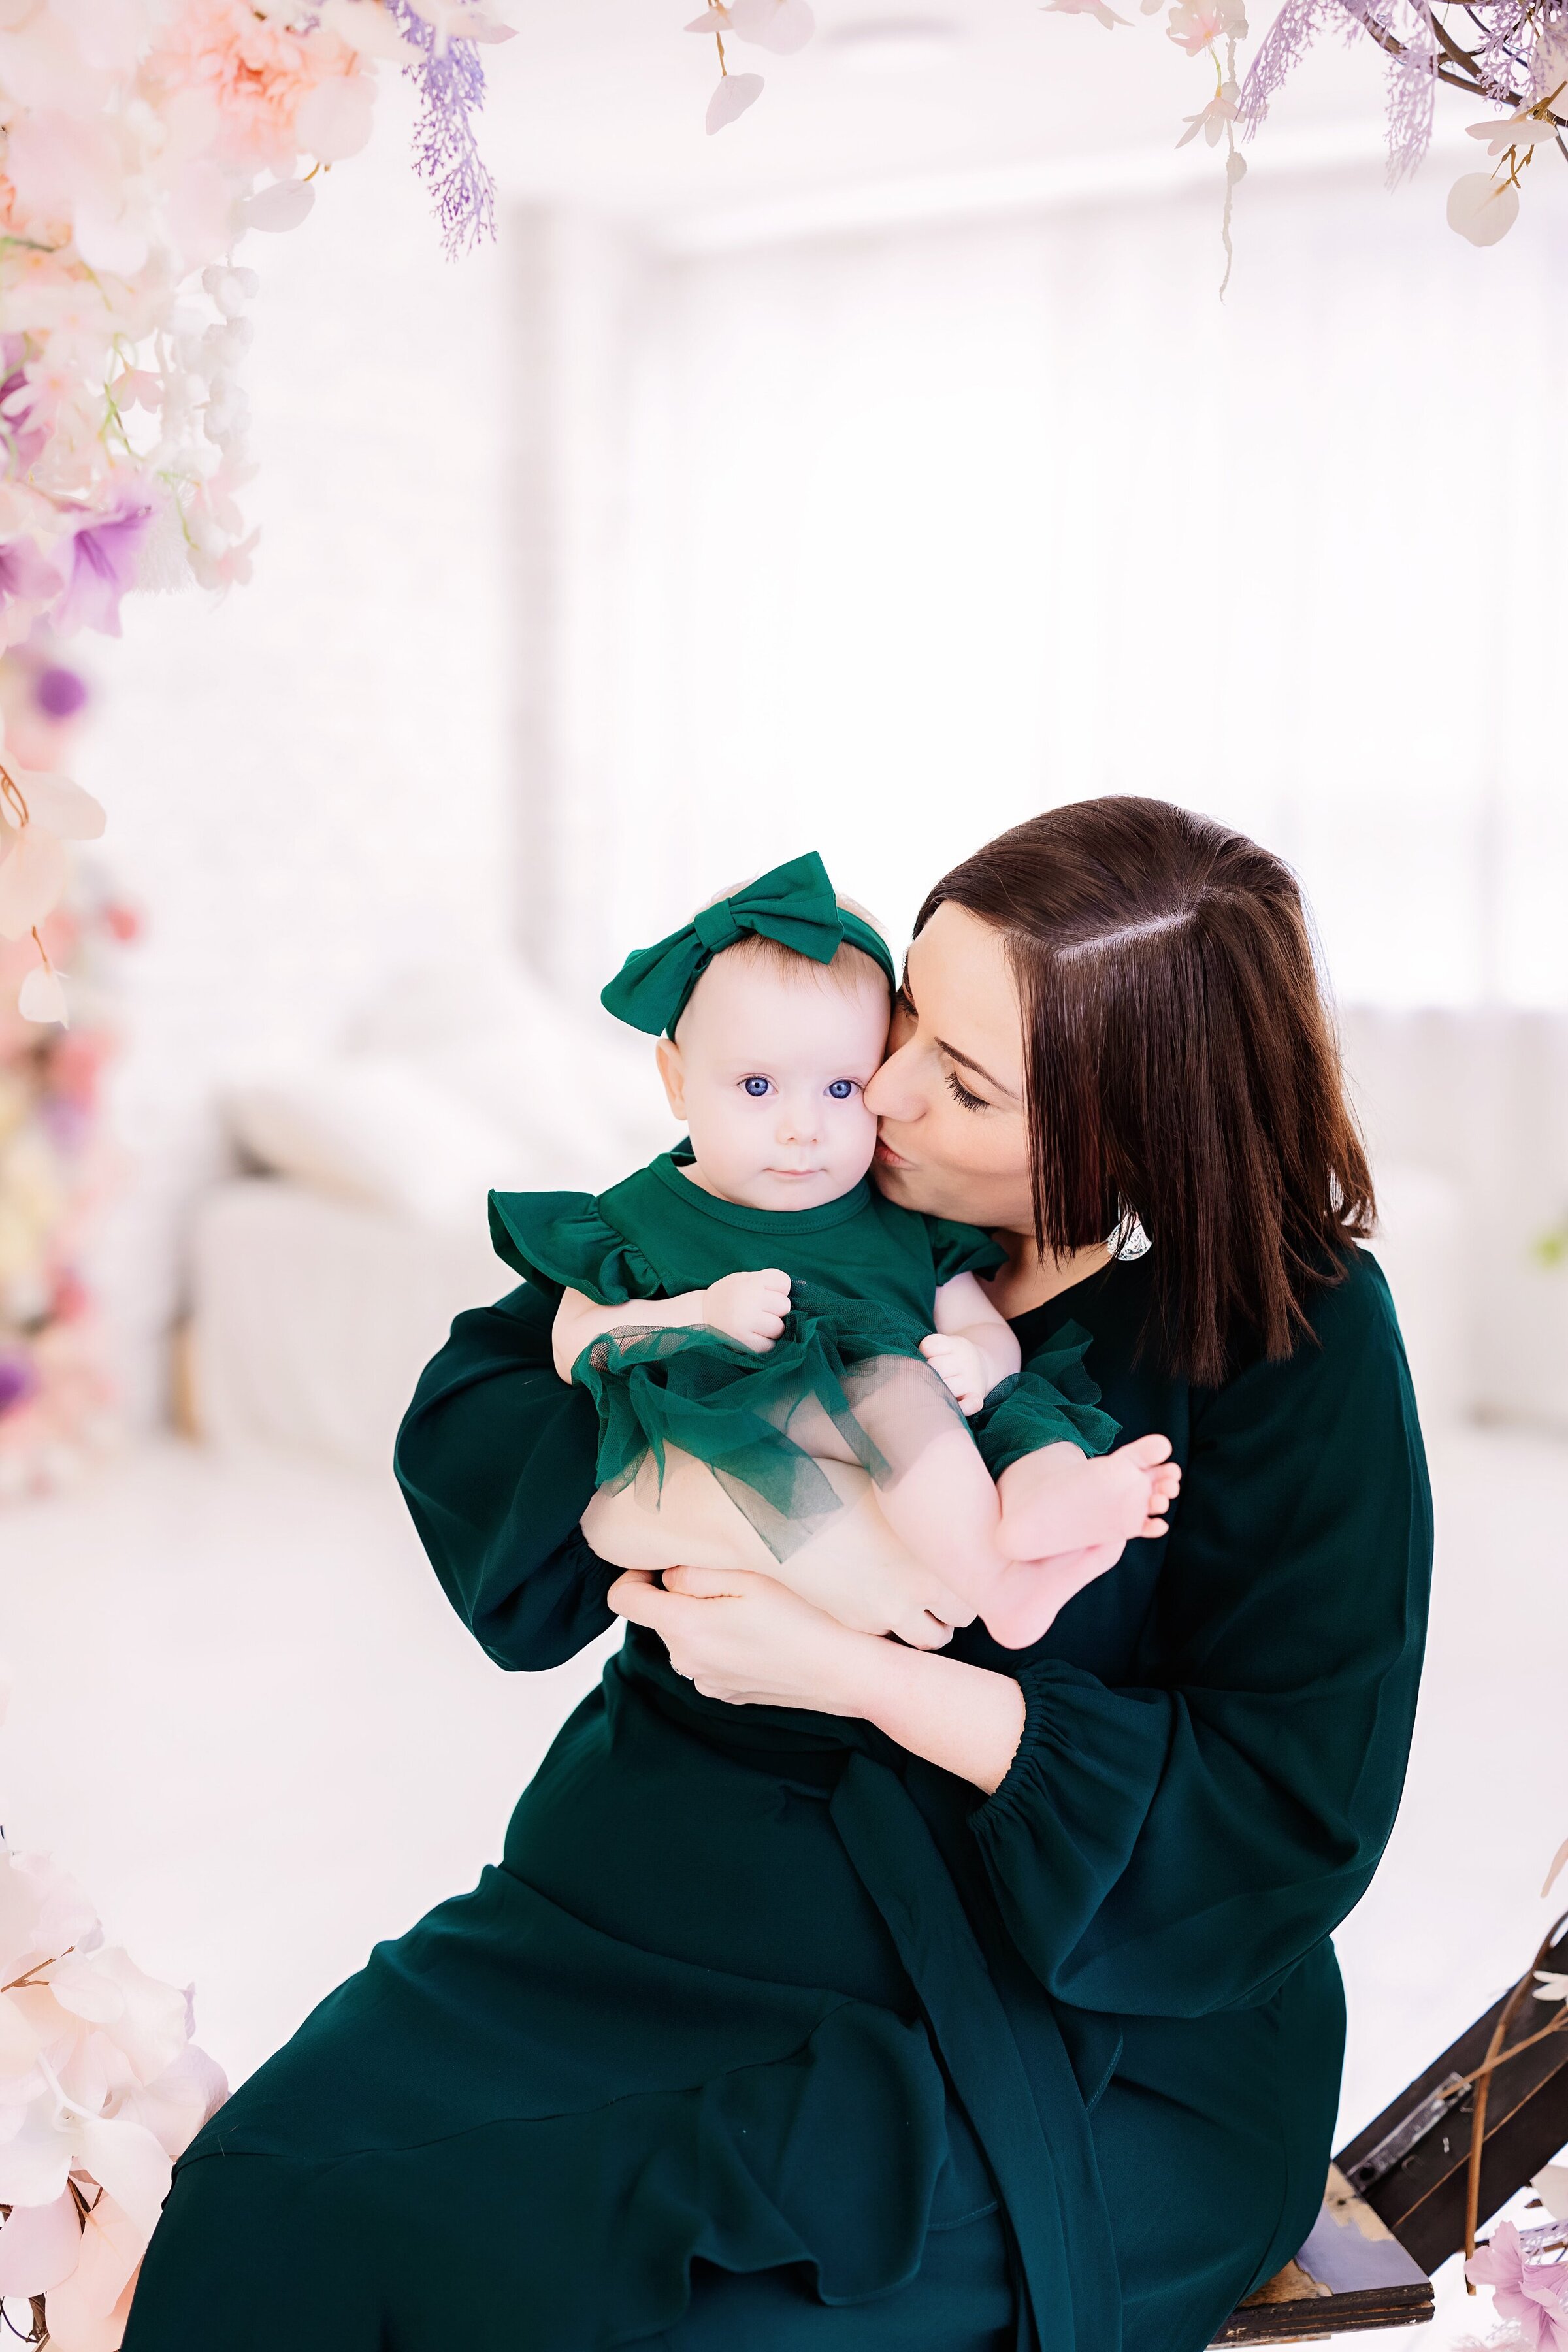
961	1096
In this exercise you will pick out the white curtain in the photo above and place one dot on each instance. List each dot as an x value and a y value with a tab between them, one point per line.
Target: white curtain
899	538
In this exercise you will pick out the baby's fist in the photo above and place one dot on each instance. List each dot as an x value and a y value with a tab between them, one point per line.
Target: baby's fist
749	1308
959	1364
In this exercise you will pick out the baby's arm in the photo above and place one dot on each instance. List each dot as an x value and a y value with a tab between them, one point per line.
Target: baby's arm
972	1346
746	1307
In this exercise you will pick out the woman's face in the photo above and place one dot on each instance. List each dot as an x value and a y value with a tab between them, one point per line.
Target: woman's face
953	1140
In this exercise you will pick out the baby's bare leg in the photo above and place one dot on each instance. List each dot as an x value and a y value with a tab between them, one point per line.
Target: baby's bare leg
853	1567
937	1495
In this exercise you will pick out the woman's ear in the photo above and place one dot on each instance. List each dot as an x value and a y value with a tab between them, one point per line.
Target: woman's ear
667	1056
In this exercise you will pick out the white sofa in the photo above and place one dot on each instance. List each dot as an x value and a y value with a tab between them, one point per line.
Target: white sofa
317	1292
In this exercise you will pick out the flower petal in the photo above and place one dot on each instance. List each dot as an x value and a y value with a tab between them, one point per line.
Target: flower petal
281	207
125	2159
733	95
1482	209
60	806
782	25
335	120
32	878
42	998
39	2246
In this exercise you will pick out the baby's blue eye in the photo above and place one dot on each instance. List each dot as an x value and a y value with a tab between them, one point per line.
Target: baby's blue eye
756	1085
841	1089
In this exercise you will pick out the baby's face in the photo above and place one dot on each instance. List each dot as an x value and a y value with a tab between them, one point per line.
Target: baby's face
768	1071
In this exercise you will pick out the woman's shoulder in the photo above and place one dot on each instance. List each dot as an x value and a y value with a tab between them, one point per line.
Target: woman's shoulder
1348	1364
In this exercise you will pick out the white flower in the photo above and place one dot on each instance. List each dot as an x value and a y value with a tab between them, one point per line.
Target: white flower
1197	25
1523	129
1212	120
1549	1987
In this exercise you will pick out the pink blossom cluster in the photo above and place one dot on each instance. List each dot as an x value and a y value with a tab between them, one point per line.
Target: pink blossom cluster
139	141
102	2086
1531	2298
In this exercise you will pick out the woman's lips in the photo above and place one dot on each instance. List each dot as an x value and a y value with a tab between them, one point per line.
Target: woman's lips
885	1156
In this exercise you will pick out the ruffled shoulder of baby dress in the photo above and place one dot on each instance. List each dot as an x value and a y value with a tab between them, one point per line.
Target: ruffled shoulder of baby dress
962	1249
561	1240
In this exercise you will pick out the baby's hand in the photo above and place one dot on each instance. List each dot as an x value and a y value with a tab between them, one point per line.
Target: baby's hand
960	1363
747	1307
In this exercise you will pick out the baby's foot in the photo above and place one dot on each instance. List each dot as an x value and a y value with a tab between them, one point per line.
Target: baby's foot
1059	1500
1029	1594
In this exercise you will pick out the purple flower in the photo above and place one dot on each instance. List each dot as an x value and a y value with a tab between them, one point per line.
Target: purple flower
103	557
59	692
18	1382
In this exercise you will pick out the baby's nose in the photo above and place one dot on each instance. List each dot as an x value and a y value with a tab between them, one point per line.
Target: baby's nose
798	1121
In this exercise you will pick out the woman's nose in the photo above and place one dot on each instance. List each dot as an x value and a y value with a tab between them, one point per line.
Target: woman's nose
894	1091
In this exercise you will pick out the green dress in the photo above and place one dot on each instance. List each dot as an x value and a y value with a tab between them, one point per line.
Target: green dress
864	1275
762	2031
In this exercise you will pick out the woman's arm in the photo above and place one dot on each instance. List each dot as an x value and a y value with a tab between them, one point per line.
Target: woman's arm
1176	1845
496	1461
747	1639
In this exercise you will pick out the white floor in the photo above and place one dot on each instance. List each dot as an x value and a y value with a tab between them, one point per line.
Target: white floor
247	1721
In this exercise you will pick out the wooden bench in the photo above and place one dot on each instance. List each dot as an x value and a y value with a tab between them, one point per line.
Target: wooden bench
1396	2195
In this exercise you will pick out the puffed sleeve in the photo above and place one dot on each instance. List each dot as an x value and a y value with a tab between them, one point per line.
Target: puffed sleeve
496	1460
962	1249
1052	1401
560	1241
1176	1847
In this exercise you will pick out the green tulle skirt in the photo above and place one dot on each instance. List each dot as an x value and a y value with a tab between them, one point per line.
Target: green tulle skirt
832	1387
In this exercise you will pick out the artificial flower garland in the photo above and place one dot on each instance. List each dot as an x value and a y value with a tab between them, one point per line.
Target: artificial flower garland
1507	53
142	139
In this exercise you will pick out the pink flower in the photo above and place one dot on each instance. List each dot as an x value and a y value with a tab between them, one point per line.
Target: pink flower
26	575
1534	2295
254	69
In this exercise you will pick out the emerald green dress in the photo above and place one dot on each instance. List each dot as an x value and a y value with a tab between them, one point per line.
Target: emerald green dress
764	2033
864	1275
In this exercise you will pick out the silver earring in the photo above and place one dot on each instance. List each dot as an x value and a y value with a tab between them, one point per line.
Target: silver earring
1129	1240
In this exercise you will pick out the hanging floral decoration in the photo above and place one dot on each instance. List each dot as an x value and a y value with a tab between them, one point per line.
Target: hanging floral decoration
1511	54
140	140
780	25
56	1400
102	2087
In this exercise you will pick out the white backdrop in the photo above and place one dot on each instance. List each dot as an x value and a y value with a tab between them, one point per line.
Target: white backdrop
921	530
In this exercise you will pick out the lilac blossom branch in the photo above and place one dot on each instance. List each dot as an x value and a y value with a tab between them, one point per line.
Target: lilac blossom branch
451	84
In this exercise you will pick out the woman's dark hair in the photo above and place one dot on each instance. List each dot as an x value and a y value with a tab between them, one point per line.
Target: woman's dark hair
1181	1064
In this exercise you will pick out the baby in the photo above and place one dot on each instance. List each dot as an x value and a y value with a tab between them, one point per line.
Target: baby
751	1302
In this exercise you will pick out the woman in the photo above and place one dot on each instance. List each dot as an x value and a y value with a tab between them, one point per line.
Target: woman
836	1993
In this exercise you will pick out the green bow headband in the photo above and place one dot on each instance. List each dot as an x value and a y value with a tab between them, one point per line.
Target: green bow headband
793	905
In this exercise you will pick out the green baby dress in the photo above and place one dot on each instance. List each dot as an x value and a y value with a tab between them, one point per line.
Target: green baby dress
864	1275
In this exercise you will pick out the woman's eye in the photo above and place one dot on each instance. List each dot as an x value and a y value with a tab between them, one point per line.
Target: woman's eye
841	1089
962	1095
757	1087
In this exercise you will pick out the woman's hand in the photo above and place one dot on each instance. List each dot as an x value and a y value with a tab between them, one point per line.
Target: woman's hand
743	1639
